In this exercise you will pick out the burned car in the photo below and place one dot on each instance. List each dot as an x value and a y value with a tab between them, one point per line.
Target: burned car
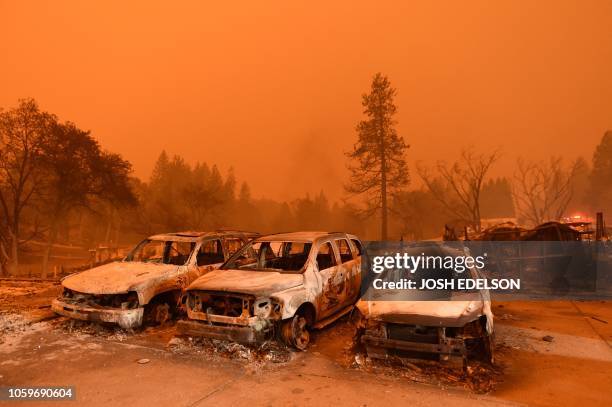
147	284
448	325
277	286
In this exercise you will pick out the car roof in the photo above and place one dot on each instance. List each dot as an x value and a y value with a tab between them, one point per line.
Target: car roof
195	236
304	236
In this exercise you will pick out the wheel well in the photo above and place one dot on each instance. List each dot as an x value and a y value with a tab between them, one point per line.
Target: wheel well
171	297
308	311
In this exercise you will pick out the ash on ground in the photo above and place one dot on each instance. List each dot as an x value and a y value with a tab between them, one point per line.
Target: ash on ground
14	326
478	377
269	351
75	326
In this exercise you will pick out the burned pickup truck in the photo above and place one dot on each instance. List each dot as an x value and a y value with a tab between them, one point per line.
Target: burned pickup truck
448	325
277	286
147	284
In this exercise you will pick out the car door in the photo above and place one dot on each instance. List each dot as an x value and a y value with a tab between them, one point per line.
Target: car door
333	283
351	270
210	256
177	253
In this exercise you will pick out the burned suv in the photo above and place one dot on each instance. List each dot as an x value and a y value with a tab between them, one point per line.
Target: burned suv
443	325
278	285
147	284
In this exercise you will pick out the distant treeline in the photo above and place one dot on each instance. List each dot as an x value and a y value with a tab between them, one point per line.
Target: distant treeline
58	185
179	196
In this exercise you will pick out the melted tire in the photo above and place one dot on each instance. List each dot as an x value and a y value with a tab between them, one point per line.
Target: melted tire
294	332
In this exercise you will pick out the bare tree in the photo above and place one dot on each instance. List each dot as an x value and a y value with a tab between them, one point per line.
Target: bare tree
542	191
380	168
458	186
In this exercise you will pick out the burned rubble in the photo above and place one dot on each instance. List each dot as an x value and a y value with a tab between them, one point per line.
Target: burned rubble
269	351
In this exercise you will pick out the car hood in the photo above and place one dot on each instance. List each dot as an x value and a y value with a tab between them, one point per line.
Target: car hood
258	283
119	277
429	313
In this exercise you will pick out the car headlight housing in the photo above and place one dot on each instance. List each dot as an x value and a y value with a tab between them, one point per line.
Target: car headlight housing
266	308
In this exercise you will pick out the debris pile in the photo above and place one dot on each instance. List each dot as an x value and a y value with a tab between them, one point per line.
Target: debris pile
109	332
269	351
477	376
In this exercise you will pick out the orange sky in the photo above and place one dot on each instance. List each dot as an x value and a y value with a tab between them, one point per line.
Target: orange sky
273	88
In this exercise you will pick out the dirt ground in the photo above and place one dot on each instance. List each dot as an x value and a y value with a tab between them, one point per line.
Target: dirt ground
110	366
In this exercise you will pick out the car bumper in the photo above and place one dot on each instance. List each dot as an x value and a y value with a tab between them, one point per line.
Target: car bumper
242	334
125	318
451	347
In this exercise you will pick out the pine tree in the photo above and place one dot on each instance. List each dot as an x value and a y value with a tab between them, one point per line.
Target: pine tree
380	167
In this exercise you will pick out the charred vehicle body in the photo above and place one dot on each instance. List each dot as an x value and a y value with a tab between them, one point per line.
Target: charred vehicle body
280	285
448	326
147	284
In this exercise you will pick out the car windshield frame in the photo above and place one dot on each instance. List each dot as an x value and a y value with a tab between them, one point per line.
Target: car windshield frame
230	264
167	247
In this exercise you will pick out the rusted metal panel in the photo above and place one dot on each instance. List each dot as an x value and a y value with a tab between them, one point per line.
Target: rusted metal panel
229	333
128	318
448	346
202	316
429	313
120	277
251	282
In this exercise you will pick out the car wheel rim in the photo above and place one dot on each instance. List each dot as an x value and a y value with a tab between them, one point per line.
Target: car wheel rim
161	313
301	336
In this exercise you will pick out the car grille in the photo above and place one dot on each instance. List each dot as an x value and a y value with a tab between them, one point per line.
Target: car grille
225	304
413	333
